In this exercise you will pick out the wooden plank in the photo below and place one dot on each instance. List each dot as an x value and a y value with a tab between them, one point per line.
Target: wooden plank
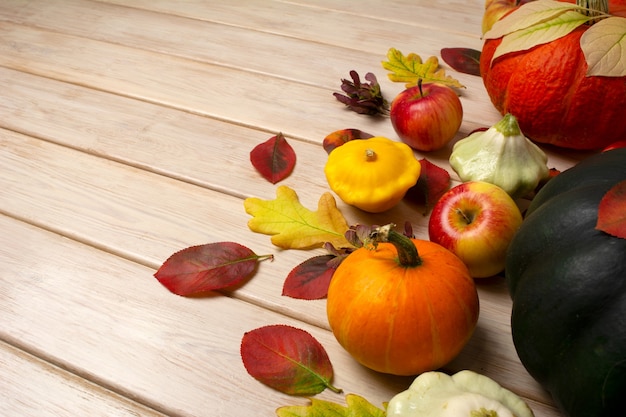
30	386
466	15
197	87
360	24
207	152
305	61
108	320
175	82
147	217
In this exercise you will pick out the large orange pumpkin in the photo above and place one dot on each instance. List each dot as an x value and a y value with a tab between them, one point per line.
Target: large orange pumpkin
547	90
403	308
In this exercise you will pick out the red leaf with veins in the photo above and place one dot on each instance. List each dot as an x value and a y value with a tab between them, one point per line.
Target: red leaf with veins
310	279
287	359
339	137
274	158
612	211
207	267
432	183
463	60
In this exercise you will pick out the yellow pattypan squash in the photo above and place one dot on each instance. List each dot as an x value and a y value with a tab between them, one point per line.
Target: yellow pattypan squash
372	174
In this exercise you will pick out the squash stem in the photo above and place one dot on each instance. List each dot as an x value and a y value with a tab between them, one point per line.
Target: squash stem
407	252
508	126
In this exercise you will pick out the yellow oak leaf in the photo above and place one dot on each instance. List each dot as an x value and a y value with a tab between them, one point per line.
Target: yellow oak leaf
410	69
355	406
293	226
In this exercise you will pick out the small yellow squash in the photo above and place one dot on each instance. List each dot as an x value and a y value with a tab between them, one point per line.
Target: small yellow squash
372	174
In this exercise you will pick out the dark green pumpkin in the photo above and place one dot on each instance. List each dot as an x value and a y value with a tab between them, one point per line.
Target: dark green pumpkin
568	285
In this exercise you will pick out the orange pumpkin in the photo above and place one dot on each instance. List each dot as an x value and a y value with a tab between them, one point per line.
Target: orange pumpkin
404	307
553	99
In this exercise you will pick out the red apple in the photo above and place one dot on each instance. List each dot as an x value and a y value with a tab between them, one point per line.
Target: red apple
476	220
426	117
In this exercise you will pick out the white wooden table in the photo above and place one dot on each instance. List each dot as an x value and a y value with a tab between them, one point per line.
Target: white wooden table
125	130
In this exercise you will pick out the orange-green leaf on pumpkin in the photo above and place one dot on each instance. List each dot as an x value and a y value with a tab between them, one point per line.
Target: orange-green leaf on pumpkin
356	406
465	60
310	279
207	267
293	226
410	69
529	15
339	137
274	158
287	359
612	211
535	23
432	183
604	47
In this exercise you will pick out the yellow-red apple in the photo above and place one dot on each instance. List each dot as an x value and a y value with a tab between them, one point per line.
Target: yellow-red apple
494	10
426	117
476	220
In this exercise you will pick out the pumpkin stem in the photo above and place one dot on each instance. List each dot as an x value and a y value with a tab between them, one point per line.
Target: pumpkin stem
594	8
407	252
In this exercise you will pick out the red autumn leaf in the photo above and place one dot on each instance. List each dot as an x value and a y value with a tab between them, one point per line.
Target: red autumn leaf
463	60
287	359
433	182
207	267
339	137
479	129
612	211
310	279
274	158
